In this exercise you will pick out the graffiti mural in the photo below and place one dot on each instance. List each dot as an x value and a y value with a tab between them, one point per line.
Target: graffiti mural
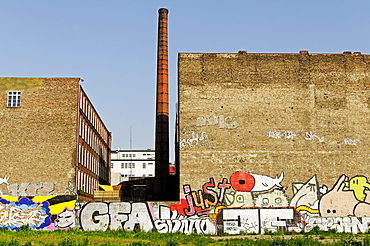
13	215
39	212
243	202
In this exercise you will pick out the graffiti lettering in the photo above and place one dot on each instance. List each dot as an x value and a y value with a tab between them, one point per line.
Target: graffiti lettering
350	141
345	224
278	135
235	221
13	215
200	139
121	215
31	189
310	136
221	120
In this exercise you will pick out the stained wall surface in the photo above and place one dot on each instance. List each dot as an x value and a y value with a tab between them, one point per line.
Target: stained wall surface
288	116
38	139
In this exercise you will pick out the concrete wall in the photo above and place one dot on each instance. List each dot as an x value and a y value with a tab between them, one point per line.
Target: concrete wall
277	131
297	114
38	139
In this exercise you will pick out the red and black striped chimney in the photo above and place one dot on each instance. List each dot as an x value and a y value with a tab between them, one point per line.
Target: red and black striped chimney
161	189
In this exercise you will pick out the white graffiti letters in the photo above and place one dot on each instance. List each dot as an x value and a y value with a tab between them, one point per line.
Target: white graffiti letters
256	220
99	215
346	224
310	136
221	120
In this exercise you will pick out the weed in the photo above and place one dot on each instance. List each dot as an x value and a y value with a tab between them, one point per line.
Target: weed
139	244
172	242
350	241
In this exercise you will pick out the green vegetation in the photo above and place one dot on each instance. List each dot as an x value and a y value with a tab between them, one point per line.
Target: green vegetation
29	237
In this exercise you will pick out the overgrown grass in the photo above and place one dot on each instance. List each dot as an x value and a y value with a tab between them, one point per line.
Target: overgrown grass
29	237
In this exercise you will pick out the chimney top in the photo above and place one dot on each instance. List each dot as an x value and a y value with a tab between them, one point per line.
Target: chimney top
163	11
303	52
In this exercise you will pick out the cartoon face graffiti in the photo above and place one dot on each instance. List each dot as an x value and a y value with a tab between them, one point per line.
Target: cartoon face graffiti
340	201
275	198
65	219
250	182
358	185
239	199
305	194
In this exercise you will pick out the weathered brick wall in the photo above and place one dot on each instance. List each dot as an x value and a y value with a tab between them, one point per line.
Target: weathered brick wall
38	139
301	114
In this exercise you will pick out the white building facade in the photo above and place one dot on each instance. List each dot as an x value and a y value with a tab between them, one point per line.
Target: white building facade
132	164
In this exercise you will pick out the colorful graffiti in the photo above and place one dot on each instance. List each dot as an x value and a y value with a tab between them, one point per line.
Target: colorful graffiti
39	212
244	202
15	214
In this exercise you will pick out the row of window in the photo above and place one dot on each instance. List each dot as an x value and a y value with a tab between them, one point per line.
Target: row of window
134	155
133	175
87	159
130	165
92	116
91	138
86	183
128	155
127	165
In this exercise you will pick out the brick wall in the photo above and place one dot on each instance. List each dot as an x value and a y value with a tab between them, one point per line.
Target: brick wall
38	139
301	114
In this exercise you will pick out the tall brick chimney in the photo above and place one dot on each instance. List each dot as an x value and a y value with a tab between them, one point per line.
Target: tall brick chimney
161	188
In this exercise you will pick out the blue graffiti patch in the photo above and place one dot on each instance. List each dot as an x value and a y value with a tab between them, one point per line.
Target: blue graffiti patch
13	215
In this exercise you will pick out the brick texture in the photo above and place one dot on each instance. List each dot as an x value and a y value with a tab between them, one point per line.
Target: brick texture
301	114
38	139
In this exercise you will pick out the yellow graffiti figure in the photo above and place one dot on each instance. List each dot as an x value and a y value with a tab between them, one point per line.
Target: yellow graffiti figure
358	185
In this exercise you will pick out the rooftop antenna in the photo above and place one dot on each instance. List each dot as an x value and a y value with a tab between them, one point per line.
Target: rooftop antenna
130	165
130	138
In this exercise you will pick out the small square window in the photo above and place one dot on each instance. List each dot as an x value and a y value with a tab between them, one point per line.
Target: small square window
14	98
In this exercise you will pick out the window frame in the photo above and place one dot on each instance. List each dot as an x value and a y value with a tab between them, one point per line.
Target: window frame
14	100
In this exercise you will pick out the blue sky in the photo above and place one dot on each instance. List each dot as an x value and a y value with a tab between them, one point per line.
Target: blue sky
112	45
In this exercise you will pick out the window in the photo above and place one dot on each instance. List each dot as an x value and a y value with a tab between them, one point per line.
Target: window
150	163
133	155
144	165
125	165
14	98
111	165
122	165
